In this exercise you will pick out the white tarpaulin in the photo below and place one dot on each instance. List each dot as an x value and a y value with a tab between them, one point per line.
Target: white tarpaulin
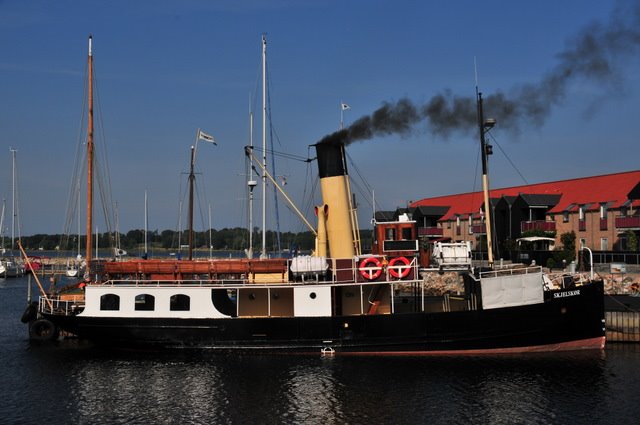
512	290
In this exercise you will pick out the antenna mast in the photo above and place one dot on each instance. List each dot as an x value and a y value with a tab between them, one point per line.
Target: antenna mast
485	126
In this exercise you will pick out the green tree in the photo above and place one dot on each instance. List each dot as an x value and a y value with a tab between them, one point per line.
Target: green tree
632	240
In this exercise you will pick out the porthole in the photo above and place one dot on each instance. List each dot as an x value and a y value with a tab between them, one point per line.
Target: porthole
312	295
179	302
110	302
145	302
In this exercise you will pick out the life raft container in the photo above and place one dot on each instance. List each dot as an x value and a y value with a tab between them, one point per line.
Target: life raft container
399	267
370	268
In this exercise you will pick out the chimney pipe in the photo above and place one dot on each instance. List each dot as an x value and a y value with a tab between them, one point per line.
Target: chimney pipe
332	169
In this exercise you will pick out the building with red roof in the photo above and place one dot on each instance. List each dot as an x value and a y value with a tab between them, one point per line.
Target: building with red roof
601	210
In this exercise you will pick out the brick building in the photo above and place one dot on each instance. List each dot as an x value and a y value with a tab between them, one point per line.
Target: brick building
601	210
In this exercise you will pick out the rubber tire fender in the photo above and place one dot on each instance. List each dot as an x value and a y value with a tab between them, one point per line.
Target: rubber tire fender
43	330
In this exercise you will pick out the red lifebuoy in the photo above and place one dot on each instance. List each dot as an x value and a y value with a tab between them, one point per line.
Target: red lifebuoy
370	268
399	270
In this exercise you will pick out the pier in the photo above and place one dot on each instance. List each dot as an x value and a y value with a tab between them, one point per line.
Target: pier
622	318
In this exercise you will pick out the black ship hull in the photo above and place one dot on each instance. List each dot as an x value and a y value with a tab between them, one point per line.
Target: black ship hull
565	320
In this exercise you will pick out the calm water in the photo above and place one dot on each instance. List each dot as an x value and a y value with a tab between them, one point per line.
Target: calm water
75	384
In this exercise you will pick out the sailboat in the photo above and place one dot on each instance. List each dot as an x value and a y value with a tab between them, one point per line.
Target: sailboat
3	267
10	264
73	266
337	301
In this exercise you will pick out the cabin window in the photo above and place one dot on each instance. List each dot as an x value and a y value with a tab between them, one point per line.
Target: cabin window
145	302
406	233
110	302
180	302
390	234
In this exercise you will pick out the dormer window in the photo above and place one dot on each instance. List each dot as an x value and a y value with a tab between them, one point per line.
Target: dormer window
603	210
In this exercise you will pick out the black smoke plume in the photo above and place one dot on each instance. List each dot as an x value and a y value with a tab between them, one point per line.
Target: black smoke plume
596	55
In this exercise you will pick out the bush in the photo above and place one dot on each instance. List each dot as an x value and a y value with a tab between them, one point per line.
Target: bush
551	263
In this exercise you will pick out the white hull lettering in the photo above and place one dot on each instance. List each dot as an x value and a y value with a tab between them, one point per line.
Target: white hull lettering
566	294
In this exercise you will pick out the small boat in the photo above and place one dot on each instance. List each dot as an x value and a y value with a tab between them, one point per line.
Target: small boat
73	267
337	301
12	267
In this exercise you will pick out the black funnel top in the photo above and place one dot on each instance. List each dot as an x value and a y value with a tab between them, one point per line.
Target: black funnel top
331	159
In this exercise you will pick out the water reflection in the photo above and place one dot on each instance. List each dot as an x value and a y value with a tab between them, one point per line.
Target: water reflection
146	388
201	387
311	393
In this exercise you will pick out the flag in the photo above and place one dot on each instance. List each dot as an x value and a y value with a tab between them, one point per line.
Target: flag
206	137
344	106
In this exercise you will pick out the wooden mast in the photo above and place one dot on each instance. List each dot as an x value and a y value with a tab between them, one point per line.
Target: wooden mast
89	243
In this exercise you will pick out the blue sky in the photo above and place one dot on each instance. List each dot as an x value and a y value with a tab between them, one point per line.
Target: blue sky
165	68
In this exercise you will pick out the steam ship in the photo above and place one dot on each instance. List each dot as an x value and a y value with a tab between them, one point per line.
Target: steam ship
338	301
347	302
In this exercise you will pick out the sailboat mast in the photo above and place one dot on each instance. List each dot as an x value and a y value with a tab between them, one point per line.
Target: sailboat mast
192	178
89	242
79	226
484	126
4	202
263	252
13	196
210	238
251	183
146	224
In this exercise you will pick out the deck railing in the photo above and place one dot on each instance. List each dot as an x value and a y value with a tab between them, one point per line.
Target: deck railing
56	305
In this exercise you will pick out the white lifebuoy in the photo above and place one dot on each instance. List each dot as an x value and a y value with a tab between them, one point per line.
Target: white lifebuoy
399	270
370	268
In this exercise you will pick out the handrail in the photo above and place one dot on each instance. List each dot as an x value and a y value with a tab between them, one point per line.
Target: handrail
511	271
56	306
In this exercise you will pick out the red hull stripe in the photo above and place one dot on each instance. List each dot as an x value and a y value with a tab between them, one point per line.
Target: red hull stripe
597	343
